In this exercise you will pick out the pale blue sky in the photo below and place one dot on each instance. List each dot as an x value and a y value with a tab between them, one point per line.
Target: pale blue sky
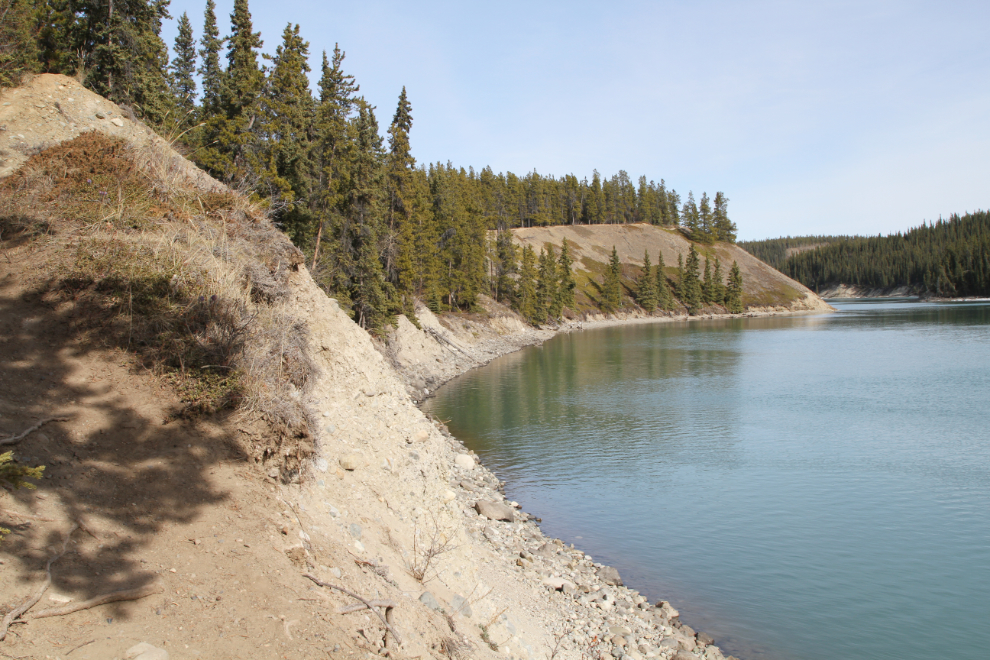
813	117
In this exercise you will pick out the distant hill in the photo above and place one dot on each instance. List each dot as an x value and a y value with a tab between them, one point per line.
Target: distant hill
591	247
947	258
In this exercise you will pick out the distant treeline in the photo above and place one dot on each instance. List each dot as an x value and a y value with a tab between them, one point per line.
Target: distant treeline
774	251
379	229
944	258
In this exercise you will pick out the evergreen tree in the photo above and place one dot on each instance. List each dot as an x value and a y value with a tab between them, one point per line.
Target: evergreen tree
210	71
19	51
612	286
706	221
231	136
528	305
718	285
725	229
665	298
690	219
401	244
733	293
183	68
286	127
707	285
681	280
548	302
647	289
691	285
566	278
505	265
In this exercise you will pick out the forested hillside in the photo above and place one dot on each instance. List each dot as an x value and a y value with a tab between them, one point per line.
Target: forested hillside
378	229
945	258
775	251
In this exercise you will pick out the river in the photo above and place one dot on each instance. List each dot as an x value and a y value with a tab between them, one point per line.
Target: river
802	488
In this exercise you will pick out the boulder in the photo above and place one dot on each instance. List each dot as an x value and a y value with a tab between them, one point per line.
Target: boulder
704	639
494	510
684	655
609	575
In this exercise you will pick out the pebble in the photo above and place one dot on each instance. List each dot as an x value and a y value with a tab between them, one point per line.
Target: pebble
145	651
351	461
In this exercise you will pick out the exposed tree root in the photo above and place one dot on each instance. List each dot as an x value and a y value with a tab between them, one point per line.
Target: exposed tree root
112	597
369	604
18	611
14	439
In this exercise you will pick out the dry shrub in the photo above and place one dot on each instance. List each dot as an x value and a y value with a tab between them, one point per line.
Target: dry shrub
170	265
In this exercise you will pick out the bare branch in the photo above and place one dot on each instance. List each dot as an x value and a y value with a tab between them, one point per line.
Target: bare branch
17	438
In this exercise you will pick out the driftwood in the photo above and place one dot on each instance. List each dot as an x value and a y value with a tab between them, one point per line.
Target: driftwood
14	439
369	604
112	597
18	611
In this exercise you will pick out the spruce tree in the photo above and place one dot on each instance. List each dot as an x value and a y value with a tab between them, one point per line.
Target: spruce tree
647	286
689	216
183	70
566	278
288	123
691	284
707	285
612	285
681	289
665	298
527	301
718	286
231	141
733	293
19	53
706	223
725	229
505	267
401	243
548	292
210	71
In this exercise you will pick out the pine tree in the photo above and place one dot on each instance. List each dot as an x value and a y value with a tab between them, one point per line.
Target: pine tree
647	289
691	285
706	223
183	68
287	125
725	229
401	243
231	136
505	265
612	286
548	286
210	70
689	216
19	51
718	286
665	298
707	285
566	278
733	293
527	300
681	289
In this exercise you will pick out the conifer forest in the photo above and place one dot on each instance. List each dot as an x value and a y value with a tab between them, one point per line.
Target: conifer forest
379	229
946	258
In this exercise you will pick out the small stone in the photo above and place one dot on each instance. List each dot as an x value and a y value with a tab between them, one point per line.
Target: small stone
449	495
321	464
464	461
421	435
359	546
336	572
494	511
428	600
145	651
100	115
355	530
558	584
704	639
609	575
352	461
547	550
461	604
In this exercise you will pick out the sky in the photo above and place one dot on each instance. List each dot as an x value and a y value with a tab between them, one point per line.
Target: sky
864	117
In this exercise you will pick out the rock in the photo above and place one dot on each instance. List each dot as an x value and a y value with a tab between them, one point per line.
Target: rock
668	643
145	651
355	530
464	461
704	639
609	575
687	631
461	604
686	643
421	435
321	464
683	655
558	584
428	600
546	550
449	496
494	510
336	572
297	555
351	461
116	121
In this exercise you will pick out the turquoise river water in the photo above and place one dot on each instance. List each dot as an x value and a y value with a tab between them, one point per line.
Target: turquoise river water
804	487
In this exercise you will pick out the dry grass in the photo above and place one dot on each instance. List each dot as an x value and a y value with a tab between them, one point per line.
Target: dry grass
171	266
